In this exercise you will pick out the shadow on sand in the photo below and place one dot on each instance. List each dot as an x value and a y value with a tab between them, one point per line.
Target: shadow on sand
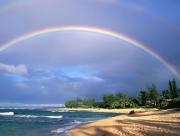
125	127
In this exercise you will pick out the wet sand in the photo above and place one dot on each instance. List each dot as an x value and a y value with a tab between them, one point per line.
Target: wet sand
146	122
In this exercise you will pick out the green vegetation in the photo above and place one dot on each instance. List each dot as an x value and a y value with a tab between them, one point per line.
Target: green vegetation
150	97
143	98
174	104
83	103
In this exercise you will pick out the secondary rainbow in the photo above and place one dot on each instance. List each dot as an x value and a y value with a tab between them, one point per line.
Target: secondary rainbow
94	30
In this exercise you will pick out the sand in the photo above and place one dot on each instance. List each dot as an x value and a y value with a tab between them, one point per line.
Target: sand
146	122
124	111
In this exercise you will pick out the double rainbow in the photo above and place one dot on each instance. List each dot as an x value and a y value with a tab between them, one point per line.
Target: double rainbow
94	30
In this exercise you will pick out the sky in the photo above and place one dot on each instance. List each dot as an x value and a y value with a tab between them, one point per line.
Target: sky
57	66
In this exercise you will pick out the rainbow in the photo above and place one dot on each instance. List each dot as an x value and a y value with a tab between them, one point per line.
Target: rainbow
94	30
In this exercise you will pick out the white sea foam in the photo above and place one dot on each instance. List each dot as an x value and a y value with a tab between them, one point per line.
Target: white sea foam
6	113
53	117
61	111
63	130
35	116
77	122
26	116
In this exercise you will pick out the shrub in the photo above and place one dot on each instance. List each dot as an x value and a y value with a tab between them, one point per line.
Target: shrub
174	104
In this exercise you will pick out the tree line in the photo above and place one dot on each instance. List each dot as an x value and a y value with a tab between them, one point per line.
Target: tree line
150	97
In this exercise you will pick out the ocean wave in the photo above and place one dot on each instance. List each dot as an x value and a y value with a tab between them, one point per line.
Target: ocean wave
6	113
64	129
35	116
77	122
26	116
54	117
62	111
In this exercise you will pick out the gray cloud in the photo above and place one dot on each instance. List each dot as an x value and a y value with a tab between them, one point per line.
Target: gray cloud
20	69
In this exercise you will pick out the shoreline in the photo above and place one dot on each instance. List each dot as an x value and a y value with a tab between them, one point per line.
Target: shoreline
143	122
122	111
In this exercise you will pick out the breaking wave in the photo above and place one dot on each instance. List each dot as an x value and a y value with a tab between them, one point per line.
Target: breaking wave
35	116
6	113
64	129
61	111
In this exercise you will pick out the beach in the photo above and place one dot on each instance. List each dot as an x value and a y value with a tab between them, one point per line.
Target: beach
29	121
145	122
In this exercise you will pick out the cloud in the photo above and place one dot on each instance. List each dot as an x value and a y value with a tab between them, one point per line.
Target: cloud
20	69
95	78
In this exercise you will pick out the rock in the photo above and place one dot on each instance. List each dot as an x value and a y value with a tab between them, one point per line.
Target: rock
132	112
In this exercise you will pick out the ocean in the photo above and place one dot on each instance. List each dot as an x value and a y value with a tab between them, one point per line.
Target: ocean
43	122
